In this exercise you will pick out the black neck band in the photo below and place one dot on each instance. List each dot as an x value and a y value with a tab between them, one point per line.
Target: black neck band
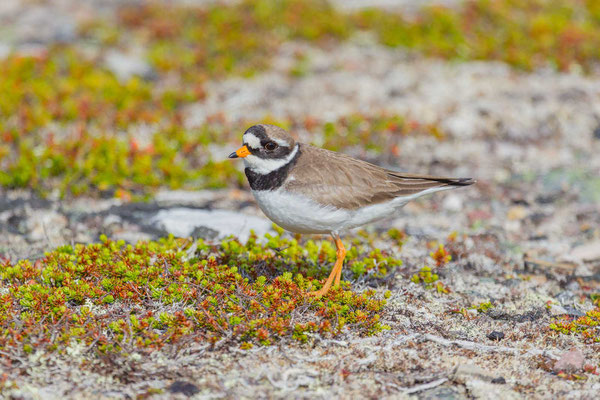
273	179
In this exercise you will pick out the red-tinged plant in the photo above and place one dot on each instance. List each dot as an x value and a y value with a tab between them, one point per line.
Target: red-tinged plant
440	256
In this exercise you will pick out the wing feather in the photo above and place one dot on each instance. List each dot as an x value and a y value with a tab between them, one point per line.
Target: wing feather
339	180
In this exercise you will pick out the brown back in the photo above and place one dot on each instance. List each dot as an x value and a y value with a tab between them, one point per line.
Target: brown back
345	182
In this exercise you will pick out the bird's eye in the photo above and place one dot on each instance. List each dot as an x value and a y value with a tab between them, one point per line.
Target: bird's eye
271	146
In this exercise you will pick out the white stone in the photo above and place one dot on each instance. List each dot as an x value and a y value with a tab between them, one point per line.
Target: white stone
484	390
557	310
183	221
125	65
587	252
453	202
45	225
465	372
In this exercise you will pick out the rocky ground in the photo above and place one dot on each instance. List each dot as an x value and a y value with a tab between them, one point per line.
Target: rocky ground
528	238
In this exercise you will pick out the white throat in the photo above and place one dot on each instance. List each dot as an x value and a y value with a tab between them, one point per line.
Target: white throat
264	166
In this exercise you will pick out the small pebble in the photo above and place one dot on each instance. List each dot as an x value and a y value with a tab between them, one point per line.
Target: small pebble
573	312
467	372
570	361
186	388
556	310
496	335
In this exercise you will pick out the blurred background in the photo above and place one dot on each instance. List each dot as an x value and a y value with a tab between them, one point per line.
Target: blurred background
117	116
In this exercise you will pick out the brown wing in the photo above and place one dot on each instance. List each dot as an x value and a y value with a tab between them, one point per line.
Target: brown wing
345	182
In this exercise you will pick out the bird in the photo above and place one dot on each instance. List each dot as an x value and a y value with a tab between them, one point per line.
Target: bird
309	190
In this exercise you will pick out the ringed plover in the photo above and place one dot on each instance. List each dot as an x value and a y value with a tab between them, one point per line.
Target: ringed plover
306	189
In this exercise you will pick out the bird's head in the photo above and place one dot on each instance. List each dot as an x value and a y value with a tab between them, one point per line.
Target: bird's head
266	148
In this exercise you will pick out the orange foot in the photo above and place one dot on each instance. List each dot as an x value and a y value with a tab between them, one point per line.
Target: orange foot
336	271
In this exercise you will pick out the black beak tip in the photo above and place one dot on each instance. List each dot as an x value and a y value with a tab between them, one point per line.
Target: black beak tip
233	155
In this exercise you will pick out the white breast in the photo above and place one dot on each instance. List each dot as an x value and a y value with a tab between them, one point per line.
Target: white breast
300	214
297	213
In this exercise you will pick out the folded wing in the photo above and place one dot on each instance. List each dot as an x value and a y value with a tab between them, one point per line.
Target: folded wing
344	182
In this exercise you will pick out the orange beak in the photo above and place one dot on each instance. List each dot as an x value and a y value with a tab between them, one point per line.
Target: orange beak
241	153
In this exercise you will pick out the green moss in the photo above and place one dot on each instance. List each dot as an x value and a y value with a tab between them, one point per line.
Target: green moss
117	297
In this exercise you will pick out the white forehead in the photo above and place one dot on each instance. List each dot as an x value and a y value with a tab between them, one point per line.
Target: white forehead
251	141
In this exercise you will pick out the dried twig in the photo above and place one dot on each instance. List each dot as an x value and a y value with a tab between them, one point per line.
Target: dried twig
465	344
425	386
537	262
191	252
13	357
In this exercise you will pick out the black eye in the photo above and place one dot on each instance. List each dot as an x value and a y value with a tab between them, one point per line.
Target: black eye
271	146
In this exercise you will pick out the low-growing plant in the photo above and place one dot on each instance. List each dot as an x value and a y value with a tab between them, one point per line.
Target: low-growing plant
116	164
430	280
483	307
587	327
115	297
440	256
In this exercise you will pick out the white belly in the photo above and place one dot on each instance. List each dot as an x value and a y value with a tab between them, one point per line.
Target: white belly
297	213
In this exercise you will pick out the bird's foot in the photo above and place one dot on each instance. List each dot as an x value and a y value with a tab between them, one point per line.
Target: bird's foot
323	291
318	293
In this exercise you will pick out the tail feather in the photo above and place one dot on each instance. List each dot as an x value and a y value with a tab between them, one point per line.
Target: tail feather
463	182
419	179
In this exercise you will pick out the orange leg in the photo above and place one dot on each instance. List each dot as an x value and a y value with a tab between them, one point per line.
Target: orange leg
342	255
336	271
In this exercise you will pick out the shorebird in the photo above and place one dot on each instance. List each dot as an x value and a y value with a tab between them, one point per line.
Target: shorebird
306	189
